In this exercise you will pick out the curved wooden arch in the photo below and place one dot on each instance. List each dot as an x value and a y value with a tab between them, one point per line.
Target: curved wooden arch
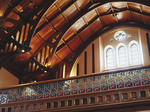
54	47
38	76
86	7
126	10
93	37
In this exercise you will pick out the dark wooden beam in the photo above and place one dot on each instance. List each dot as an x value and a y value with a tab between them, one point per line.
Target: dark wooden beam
35	23
54	16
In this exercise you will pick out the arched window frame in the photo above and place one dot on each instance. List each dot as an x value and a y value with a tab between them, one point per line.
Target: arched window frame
138	47
105	50
117	52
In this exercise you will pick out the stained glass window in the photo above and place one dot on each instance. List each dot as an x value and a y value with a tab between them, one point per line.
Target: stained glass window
110	63
122	57
118	56
120	35
135	54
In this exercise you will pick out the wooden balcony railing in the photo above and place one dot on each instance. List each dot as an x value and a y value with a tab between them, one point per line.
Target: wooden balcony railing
76	85
135	99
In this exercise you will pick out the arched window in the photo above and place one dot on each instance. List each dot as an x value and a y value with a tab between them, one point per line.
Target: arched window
122	56
110	60
135	54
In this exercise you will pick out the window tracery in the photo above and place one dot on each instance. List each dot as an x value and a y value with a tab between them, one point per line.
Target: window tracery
122	56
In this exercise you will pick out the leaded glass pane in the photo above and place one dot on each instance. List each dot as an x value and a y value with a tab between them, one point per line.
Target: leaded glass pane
122	58
110	63
135	54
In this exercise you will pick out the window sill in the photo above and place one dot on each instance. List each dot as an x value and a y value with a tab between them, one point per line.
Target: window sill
122	68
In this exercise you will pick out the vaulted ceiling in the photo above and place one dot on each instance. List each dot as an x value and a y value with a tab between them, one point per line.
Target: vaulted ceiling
38	35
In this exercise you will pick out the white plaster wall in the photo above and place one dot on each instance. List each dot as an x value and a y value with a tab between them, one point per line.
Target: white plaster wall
80	60
137	34
7	79
144	46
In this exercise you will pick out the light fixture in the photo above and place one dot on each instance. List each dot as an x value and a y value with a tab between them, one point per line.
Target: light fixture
45	71
23	51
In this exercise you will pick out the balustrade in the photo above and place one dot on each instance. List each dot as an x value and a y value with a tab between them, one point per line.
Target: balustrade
101	99
104	88
77	85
